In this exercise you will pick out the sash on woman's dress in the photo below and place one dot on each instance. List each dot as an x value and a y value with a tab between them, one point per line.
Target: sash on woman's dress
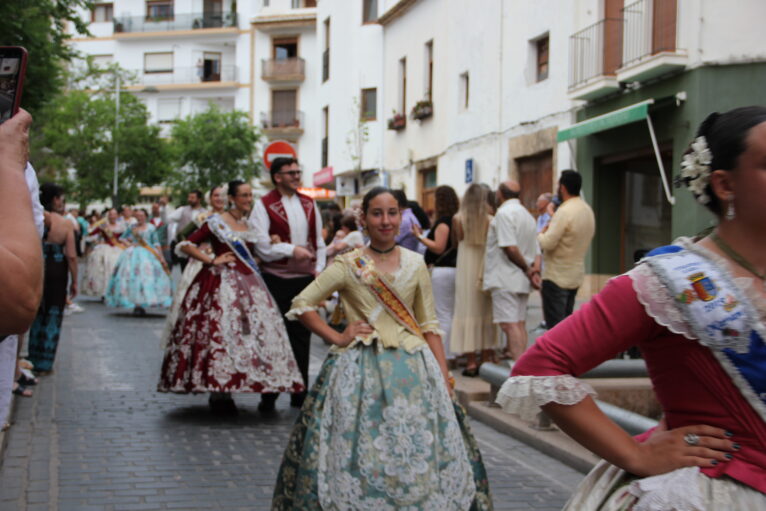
143	244
227	235
719	315
387	296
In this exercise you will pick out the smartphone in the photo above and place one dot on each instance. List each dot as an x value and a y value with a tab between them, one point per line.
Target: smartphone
13	67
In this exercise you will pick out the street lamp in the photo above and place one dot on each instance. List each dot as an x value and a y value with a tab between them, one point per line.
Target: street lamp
117	90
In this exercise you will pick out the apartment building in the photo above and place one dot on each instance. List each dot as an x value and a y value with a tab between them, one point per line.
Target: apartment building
646	73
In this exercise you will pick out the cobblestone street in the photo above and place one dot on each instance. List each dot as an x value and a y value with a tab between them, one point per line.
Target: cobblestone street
97	436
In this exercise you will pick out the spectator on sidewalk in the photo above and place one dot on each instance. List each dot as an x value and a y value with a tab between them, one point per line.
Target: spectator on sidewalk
543	216
511	266
406	238
564	243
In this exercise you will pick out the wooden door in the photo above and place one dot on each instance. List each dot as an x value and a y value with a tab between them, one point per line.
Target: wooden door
535	178
283	108
664	22
612	36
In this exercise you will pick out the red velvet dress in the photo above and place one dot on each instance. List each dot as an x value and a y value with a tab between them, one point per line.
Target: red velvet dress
689	382
229	335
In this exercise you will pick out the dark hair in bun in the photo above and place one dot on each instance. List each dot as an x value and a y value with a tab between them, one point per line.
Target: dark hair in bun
726	136
378	190
233	186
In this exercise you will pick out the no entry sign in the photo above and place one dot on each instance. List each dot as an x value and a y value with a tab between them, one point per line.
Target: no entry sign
278	149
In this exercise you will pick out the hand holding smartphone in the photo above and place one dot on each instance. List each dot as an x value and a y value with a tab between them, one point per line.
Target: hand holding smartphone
13	67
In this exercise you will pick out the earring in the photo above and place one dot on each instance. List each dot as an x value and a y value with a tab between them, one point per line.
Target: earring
730	213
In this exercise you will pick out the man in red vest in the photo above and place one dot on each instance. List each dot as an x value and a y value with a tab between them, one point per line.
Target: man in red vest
291	265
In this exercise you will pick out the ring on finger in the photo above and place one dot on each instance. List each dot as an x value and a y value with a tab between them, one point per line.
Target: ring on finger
692	439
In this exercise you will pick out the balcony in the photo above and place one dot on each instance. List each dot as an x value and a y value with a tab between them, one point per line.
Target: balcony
189	77
189	21
282	124
650	46
283	70
595	54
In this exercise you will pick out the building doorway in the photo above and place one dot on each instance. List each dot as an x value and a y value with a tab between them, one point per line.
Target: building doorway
641	218
535	178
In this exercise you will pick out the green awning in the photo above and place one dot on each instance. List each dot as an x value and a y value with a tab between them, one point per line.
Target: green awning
627	115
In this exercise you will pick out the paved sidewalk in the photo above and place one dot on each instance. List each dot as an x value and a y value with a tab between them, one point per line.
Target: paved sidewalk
97	436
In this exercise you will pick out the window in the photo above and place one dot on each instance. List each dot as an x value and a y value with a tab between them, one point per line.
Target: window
211	67
369	11
465	84
168	110
542	58
326	53
428	189
159	10
403	85
429	68
284	113
369	110
158	62
101	13
297	4
325	135
285	48
102	60
309	3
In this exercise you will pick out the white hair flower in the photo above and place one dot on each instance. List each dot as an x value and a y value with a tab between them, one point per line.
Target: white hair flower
696	169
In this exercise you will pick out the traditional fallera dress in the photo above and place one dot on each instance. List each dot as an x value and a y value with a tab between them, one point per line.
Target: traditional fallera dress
102	259
229	335
379	430
191	270
702	333
140	278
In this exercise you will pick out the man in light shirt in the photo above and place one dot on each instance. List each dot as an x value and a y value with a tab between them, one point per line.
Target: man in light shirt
179	219
290	265
511	266
565	242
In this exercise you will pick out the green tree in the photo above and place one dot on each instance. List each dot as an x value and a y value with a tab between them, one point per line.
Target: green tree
41	27
75	145
211	148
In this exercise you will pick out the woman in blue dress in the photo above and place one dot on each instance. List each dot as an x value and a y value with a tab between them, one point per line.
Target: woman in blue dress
141	278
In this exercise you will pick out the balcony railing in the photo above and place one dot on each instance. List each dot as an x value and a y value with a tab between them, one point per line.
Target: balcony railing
650	28
187	75
595	51
326	65
283	70
187	21
288	120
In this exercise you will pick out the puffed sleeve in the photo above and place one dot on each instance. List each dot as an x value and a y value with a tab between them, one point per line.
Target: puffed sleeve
423	306
195	238
610	323
332	279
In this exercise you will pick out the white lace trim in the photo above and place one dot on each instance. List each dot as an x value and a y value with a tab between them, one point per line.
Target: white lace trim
179	246
432	327
523	395
675	491
295	313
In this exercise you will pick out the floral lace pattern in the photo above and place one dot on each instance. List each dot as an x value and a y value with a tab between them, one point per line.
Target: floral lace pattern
229	337
99	268
523	395
675	491
387	437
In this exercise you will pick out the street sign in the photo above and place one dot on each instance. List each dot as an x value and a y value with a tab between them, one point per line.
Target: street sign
469	171
278	149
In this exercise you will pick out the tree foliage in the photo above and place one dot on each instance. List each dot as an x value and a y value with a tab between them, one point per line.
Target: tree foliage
211	148
76	145
41	27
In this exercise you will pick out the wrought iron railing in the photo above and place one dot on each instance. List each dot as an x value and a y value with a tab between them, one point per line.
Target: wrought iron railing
650	28
184	75
283	69
595	51
186	21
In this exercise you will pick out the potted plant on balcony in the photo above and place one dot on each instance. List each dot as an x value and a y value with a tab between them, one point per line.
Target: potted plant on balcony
423	109
397	122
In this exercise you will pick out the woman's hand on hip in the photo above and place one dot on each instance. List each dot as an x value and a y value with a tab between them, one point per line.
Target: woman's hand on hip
689	446
353	330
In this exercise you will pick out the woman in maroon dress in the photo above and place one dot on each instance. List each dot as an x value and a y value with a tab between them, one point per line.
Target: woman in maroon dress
229	336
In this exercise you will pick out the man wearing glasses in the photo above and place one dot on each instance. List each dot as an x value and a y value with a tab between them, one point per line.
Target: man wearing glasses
290	265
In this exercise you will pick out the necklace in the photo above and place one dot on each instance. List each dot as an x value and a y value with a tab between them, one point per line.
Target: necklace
728	250
383	253
240	220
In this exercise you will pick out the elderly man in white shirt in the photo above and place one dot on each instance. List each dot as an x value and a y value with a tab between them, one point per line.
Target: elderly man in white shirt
511	266
290	265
